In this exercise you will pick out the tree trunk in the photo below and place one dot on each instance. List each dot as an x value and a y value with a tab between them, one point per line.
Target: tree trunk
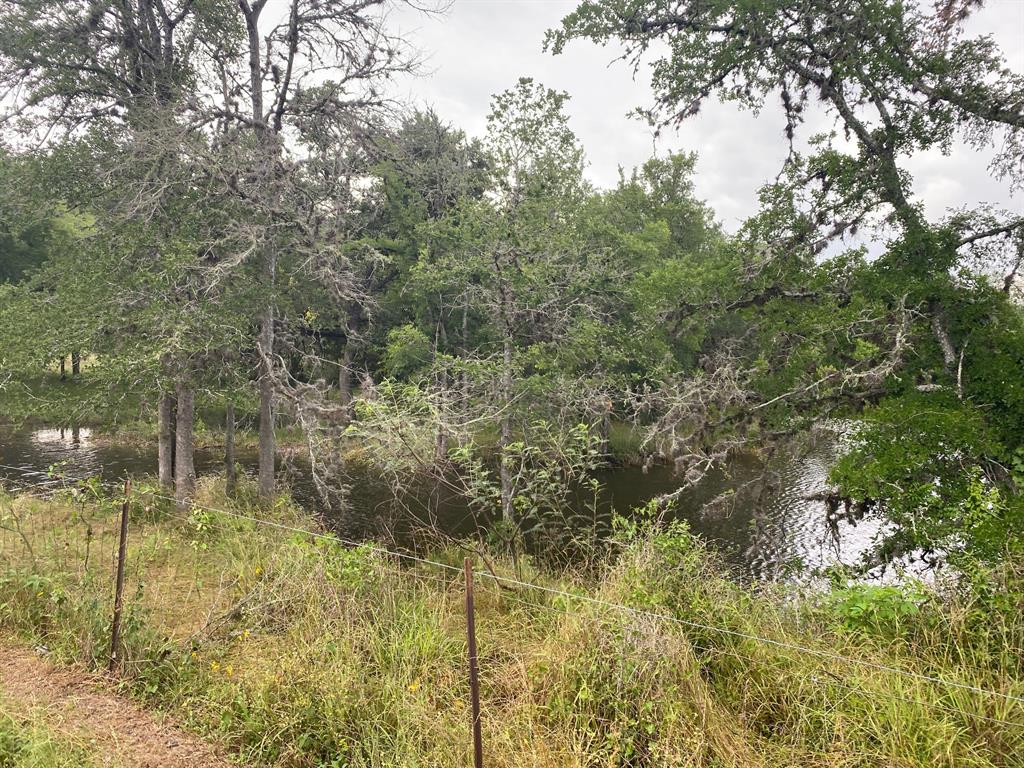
345	380
76	363
184	455
165	440
441	446
942	336
605	428
267	439
506	431
63	368
441	438
266	448
441	442
231	477
465	352
441	340
266	344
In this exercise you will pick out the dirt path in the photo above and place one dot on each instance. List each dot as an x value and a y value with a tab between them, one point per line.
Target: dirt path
121	732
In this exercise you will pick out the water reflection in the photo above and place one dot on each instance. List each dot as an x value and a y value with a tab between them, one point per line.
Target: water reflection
760	517
70	437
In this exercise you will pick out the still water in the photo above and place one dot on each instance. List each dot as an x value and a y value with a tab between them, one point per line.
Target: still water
765	538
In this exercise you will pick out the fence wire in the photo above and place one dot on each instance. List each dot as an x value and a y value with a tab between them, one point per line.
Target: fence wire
174	586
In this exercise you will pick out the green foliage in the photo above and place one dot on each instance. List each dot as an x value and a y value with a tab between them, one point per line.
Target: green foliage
408	351
547	468
877	609
787	331
930	462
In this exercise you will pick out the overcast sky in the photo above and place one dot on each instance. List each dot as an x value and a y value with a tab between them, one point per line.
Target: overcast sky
481	47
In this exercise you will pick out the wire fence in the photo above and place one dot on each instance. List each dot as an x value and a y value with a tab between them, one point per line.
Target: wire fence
188	592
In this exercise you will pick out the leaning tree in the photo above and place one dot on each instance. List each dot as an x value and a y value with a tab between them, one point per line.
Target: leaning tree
801	328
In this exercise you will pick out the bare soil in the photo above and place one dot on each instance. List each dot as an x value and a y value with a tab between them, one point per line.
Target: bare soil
84	706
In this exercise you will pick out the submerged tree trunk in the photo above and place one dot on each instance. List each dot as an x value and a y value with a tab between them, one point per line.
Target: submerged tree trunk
230	475
165	440
184	455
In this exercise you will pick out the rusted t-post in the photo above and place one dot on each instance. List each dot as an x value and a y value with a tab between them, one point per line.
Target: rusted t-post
122	552
474	678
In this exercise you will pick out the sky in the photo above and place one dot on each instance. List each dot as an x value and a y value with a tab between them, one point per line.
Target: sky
481	47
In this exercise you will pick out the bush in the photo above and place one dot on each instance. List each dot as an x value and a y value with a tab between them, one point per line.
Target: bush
882	610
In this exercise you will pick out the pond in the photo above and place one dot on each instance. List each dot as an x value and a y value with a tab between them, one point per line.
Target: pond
762	539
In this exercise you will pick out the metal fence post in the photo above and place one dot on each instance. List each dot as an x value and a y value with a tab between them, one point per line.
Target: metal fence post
122	551
474	679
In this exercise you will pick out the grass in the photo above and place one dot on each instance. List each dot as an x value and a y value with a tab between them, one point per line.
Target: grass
625	442
297	651
27	741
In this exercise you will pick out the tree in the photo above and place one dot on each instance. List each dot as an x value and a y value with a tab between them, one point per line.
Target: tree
102	86
422	170
211	107
520	242
24	243
322	61
897	79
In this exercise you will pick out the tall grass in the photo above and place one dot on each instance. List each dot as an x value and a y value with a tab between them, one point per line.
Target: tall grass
294	650
28	741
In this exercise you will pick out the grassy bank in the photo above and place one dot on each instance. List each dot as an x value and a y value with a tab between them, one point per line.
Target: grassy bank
294	650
